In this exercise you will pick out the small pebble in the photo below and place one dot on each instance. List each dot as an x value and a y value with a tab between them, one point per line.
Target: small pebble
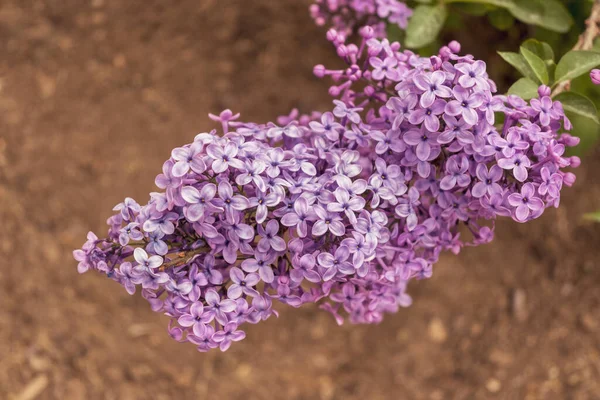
519	305
588	323
493	385
437	331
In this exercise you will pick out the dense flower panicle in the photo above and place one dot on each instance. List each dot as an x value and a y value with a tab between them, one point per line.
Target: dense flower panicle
341	208
347	15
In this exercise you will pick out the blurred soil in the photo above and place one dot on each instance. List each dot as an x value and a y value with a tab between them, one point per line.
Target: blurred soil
93	96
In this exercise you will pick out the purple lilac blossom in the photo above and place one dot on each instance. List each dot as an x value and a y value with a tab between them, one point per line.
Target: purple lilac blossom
344	15
342	208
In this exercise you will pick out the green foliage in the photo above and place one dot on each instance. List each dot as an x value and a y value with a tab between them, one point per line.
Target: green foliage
595	216
501	19
537	65
578	104
576	63
540	49
519	62
430	16
425	24
549	14
525	88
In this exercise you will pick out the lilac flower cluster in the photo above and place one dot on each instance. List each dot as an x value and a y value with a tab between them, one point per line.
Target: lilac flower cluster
346	15
341	208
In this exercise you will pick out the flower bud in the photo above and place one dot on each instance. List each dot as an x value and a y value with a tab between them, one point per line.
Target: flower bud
332	35
342	51
574	161
319	71
367	32
595	75
454	46
569	178
569	140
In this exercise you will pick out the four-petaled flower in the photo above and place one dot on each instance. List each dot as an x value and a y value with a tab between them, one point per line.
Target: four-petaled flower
466	104
146	262
327	222
224	157
488	181
525	202
242	284
217	308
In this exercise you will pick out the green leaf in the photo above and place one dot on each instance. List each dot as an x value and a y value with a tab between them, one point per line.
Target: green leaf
501	19
394	33
549	14
579	105
595	216
524	88
576	63
424	25
476	9
540	49
519	62
537	65
498	3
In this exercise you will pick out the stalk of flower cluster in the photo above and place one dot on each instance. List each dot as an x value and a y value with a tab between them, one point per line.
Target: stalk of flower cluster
341	208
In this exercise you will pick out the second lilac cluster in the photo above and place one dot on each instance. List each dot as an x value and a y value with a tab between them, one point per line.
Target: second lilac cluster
347	15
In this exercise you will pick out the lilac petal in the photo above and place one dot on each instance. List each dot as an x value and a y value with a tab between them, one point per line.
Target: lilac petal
180	168
290	219
448	182
278	244
432	123
236	336
522	212
212	297
245	231
312	276
319	228
515	199
297	275
252	279
337	228
427	99
186	320
423	151
453	108
194	212
535	204
234	291
506	163
266	274
520	173
239	203
479	190
227	305
470	116
219	166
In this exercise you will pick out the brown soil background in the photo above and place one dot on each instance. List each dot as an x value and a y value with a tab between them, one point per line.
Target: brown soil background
93	96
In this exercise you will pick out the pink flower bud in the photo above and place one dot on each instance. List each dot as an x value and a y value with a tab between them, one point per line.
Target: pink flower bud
319	71
595	75
544	91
